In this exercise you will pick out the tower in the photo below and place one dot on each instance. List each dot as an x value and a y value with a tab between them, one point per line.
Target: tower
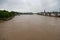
44	10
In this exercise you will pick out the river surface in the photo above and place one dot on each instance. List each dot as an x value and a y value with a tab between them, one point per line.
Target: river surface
30	27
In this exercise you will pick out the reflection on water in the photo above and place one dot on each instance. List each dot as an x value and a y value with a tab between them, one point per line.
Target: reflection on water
30	27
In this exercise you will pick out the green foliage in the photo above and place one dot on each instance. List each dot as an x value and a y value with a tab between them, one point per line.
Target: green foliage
5	14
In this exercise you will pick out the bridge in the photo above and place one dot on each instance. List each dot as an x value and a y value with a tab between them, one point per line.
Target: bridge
56	14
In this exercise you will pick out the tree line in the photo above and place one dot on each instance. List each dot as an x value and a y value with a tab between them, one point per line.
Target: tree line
6	14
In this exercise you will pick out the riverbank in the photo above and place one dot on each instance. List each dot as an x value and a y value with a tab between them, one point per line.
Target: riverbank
6	15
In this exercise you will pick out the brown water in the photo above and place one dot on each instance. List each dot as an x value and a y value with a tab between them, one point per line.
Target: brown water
30	27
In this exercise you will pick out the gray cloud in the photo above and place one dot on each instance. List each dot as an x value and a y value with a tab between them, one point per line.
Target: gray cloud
30	5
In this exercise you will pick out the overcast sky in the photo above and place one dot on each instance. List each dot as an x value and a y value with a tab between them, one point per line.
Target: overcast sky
30	5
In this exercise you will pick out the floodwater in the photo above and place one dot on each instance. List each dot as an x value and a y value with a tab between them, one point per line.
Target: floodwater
30	27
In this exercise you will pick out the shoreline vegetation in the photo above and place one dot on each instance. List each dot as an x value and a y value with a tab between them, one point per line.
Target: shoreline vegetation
6	15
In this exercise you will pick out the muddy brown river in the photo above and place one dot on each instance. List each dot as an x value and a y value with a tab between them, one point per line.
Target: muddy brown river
30	27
